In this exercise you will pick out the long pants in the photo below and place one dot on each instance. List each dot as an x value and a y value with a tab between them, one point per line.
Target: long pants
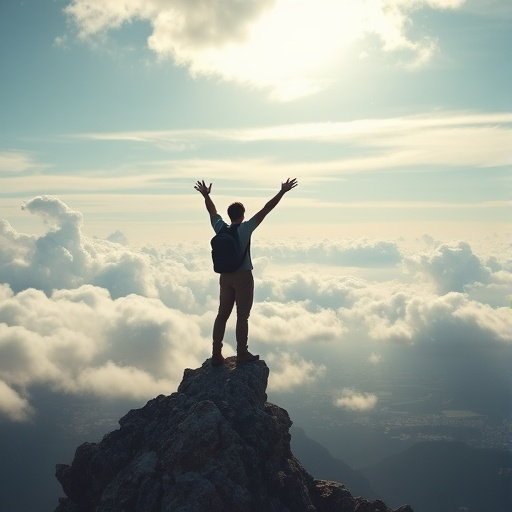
235	288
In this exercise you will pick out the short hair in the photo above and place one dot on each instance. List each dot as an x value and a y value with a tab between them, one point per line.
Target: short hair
236	210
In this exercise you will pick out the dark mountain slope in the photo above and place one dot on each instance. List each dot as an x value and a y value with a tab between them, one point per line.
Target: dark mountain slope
216	445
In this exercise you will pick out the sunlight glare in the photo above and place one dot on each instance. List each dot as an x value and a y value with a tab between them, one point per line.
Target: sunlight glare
290	47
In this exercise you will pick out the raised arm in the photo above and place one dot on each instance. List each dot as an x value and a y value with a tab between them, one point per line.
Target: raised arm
285	187
205	191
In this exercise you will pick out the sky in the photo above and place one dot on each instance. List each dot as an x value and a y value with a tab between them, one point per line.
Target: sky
395	116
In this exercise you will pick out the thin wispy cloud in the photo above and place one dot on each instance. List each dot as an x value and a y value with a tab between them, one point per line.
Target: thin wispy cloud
318	131
447	139
410	144
16	162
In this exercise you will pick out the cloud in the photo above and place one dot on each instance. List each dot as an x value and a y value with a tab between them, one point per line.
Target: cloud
82	315
292	323
496	294
55	213
448	321
14	162
312	291
374	358
289	370
13	405
397	134
385	318
203	24
118	237
275	44
354	401
377	131
362	252
65	258
113	381
443	141
451	267
82	341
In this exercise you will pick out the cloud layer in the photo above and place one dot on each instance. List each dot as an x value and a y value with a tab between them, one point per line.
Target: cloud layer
89	316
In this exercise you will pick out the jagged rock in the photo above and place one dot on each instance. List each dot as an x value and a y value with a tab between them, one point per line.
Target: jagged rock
214	445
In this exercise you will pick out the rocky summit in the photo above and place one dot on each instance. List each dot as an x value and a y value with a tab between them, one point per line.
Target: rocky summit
216	445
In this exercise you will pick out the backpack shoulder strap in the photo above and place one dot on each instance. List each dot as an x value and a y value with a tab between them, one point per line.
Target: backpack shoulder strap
234	228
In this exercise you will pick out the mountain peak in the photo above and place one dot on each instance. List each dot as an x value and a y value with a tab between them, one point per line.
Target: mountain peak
216	444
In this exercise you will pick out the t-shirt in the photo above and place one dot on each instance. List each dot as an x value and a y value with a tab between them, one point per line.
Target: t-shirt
244	233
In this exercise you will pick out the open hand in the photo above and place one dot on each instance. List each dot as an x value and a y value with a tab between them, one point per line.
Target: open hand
289	184
201	187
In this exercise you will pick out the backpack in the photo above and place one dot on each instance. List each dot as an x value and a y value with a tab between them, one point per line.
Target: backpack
227	255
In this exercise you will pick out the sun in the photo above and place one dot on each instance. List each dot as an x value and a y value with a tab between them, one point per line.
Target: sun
289	48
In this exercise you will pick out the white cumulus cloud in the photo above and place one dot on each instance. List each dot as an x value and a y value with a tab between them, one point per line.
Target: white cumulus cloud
447	320
451	267
289	370
82	315
355	401
374	358
82	341
283	45
14	406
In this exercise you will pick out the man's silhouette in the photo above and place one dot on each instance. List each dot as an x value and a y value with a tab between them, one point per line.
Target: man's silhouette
237	287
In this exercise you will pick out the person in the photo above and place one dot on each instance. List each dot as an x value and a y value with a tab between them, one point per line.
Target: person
237	287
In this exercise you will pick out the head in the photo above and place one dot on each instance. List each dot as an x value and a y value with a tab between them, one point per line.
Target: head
236	212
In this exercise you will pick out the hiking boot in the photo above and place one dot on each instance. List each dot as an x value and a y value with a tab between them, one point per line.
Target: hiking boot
217	360
246	357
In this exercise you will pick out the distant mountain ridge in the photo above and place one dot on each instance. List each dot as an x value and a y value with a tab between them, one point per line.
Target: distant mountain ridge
445	476
216	445
319	462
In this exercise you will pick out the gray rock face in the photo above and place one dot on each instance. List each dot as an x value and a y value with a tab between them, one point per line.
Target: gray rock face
216	445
